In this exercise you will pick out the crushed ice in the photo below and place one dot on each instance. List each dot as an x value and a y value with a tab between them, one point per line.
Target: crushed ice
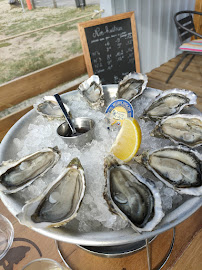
94	212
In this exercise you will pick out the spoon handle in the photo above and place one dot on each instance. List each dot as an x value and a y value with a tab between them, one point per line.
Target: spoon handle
60	103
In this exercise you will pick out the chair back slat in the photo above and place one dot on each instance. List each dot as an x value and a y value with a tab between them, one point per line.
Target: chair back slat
190	25
185	22
185	35
181	30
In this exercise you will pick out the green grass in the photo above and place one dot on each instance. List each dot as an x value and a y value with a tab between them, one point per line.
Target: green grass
75	47
64	28
6	44
32	35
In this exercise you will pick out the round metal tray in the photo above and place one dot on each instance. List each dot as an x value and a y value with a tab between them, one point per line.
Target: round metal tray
98	238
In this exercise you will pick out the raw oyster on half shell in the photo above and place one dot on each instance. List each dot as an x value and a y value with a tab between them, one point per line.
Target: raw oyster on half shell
181	128
178	167
49	108
17	174
168	103
92	91
132	86
59	203
132	197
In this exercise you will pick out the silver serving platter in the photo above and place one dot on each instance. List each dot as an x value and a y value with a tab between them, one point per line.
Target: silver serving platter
96	238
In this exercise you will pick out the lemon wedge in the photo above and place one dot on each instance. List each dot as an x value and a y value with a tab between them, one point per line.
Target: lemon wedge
128	140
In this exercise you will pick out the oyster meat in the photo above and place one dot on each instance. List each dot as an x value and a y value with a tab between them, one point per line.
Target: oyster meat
132	86
59	203
132	197
92	91
168	103
49	108
16	175
181	128
178	167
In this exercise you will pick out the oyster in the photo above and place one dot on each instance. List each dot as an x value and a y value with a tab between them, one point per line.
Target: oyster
168	103
59	203
16	175
132	197
181	128
49	108
178	167
132	86
92	91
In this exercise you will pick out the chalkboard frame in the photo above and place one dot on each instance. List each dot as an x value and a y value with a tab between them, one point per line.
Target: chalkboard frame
118	17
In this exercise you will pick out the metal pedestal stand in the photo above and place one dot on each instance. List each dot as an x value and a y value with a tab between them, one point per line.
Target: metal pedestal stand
139	246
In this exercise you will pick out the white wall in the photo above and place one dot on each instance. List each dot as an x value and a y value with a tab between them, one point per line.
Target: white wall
157	34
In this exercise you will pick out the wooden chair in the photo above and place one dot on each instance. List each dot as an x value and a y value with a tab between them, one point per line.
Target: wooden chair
186	29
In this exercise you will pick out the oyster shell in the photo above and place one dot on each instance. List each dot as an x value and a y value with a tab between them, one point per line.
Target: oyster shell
178	167
16	175
132	197
168	103
181	128
92	91
132	86
49	108
59	203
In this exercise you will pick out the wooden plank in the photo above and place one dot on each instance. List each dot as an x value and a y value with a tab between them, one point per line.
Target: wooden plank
40	81
190	79
167	69
191	257
198	18
193	69
7	122
176	81
197	61
157	84
177	57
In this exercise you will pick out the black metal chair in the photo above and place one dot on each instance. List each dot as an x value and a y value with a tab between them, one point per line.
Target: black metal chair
186	29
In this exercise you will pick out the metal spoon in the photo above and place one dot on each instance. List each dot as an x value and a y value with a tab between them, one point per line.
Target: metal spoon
60	103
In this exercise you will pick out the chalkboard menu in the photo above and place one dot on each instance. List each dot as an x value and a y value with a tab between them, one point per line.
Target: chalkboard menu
110	47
